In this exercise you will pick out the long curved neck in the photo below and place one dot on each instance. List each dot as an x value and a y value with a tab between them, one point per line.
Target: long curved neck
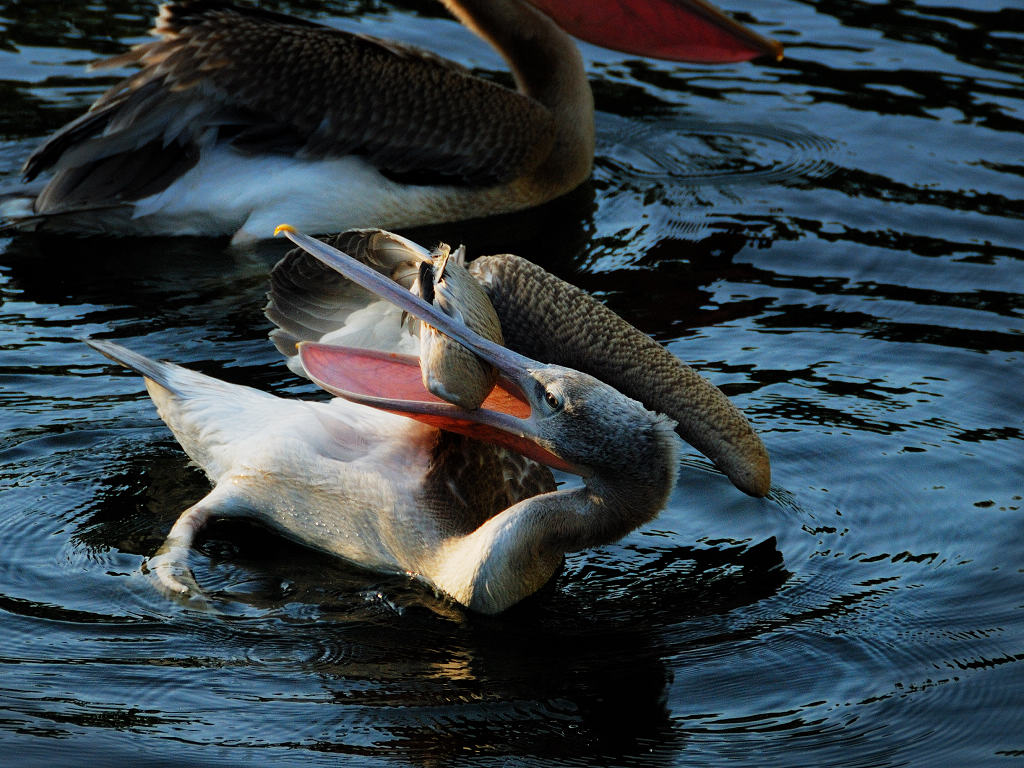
516	552
547	67
552	321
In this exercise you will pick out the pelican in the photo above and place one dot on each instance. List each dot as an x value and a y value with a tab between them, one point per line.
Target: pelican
240	117
394	479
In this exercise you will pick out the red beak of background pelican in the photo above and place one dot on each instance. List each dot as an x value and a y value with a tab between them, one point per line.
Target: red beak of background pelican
679	30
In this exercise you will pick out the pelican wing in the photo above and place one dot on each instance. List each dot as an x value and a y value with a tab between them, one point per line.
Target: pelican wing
223	426
309	301
268	82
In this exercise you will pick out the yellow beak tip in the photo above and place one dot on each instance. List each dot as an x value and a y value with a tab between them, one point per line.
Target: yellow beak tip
284	228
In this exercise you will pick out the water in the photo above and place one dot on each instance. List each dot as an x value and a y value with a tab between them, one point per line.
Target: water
834	239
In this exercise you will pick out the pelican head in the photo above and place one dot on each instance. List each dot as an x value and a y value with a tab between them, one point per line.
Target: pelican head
583	421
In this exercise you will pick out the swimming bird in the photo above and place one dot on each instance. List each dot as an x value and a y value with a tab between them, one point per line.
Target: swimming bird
240	117
445	496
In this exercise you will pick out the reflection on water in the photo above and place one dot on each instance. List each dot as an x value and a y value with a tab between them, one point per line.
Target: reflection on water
833	239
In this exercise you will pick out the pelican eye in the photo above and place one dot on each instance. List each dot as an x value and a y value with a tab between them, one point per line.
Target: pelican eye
554	401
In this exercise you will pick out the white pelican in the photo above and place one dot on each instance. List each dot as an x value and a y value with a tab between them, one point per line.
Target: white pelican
240	117
444	496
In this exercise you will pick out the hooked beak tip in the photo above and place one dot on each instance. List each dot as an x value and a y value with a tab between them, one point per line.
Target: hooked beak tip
284	228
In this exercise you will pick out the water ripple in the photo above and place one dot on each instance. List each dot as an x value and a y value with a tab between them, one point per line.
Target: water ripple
694	153
851	275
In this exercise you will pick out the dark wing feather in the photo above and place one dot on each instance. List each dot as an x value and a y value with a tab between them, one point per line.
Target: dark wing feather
265	81
308	299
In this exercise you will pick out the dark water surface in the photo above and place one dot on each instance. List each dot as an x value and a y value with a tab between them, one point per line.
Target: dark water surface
835	239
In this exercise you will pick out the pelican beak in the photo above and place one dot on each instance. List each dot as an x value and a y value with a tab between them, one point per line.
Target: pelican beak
678	30
394	383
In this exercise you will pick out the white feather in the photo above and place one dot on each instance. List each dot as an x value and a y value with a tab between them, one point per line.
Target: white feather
248	196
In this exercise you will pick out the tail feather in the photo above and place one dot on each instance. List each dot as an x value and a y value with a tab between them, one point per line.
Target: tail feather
17	209
167	375
18	214
190	388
